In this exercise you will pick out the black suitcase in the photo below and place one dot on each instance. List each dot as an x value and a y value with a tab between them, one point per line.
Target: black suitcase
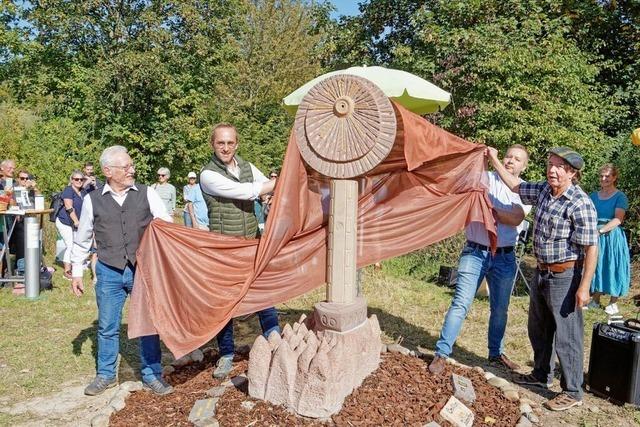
614	362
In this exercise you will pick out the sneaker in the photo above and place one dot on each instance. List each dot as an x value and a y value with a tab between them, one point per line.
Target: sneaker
611	309
437	364
562	402
99	385
158	386
504	361
223	367
530	379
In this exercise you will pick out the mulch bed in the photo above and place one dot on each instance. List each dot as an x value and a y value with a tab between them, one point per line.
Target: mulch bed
401	392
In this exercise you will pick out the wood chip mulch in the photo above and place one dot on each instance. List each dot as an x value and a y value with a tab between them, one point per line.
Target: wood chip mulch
401	392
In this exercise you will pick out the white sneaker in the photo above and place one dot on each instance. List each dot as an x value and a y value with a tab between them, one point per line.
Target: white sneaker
612	309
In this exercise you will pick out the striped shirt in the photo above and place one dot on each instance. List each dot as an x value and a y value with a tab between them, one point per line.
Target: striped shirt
562	225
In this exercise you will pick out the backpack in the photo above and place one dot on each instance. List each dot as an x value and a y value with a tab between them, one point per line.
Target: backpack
56	205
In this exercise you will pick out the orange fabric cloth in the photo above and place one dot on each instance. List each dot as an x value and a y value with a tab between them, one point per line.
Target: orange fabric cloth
189	282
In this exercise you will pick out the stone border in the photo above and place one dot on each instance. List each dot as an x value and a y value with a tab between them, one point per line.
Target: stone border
117	402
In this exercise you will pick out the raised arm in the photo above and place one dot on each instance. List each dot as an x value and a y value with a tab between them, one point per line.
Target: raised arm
512	182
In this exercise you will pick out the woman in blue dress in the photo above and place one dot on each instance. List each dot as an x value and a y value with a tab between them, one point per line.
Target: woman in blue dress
613	272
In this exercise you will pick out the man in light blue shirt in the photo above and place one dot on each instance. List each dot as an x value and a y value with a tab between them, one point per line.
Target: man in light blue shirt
477	262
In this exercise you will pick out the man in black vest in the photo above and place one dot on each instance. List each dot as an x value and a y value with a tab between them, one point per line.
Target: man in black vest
118	214
230	186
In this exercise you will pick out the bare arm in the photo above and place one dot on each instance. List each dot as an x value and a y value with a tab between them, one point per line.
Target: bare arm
616	221
512	182
590	261
513	216
268	186
68	204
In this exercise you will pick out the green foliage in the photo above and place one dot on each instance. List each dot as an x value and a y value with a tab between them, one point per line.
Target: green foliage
155	76
424	264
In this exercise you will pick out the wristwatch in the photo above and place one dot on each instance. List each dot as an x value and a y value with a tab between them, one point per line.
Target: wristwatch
69	210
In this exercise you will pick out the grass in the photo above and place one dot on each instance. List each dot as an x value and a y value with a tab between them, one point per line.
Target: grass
51	341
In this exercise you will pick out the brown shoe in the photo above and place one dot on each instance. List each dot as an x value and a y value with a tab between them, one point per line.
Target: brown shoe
504	361
562	402
437	364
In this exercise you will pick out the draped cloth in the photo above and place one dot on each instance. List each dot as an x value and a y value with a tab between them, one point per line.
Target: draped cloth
189	282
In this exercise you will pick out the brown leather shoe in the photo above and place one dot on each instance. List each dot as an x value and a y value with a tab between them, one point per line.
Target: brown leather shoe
504	361
437	365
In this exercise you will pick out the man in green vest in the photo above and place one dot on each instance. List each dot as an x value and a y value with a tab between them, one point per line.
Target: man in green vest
230	185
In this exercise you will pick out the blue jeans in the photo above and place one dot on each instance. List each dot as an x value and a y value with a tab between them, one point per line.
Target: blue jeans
268	322
112	289
556	327
473	266
187	219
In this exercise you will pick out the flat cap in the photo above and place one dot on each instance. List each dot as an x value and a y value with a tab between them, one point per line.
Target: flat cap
569	156
192	175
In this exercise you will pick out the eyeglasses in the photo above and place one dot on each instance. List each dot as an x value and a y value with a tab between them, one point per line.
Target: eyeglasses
273	176
161	174
77	179
23	177
222	144
125	167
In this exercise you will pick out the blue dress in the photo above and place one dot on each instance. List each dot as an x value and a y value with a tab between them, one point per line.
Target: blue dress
613	272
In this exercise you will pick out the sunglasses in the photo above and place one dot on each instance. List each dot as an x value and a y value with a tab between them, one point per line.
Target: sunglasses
23	177
161	174
77	179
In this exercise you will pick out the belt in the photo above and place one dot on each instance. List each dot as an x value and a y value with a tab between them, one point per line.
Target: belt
559	267
502	250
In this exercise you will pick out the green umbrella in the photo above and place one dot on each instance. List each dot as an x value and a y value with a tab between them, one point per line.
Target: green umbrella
412	92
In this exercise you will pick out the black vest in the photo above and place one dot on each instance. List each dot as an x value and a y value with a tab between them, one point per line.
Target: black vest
118	228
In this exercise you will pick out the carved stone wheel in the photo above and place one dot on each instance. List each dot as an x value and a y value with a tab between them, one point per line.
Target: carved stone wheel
345	126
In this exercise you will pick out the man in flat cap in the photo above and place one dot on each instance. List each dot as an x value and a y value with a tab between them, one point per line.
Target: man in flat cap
565	243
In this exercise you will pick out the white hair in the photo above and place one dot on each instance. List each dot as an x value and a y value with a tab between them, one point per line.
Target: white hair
106	158
164	171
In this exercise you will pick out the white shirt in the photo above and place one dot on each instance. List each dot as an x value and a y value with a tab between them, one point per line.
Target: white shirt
503	198
216	184
84	236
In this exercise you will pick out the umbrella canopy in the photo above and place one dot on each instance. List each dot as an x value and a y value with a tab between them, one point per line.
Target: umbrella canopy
412	92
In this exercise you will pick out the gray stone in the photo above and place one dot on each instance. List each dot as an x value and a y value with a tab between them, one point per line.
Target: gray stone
183	361
197	355
432	424
488	375
594	409
383	348
463	388
397	348
524	422
498	382
216	391
512	395
479	370
203	409
525	408
209	422
100	420
247	405
168	370
131	385
457	413
117	403
532	417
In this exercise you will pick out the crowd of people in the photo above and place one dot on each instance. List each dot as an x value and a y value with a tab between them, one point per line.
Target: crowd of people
579	246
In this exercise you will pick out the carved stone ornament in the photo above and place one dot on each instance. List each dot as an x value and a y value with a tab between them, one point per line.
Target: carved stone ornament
345	126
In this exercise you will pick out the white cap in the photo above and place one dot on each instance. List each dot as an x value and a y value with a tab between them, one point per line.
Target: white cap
192	175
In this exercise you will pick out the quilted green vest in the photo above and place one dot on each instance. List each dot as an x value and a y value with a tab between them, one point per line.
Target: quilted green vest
231	216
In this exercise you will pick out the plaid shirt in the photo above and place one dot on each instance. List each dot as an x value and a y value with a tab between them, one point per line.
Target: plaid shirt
563	225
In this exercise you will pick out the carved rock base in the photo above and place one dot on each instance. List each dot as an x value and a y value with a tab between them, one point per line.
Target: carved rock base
312	371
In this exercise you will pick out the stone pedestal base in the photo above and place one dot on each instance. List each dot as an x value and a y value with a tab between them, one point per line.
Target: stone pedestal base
312	370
